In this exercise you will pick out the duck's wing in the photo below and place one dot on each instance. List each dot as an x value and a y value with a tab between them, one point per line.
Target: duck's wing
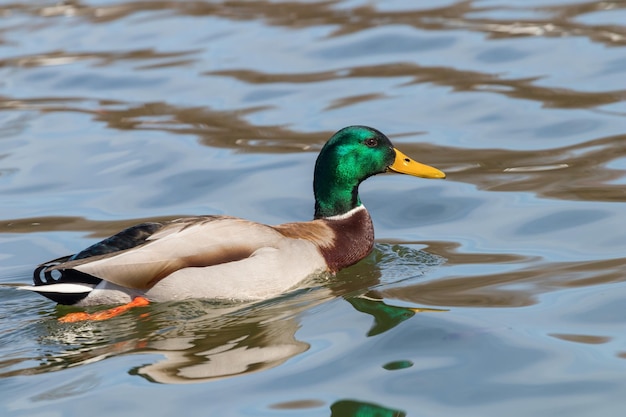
195	242
126	239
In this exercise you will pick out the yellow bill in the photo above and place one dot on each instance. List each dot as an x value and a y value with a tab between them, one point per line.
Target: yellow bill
405	165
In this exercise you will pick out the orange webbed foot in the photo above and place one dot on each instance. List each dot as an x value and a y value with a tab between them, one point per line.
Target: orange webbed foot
104	314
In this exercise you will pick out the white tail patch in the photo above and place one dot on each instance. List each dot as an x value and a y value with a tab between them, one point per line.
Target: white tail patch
63	288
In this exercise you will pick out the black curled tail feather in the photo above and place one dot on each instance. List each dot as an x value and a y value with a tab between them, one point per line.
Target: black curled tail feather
43	274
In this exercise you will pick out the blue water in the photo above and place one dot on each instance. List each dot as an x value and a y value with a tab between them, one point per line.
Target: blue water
498	291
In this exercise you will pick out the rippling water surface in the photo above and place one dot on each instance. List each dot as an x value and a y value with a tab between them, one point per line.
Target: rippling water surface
499	291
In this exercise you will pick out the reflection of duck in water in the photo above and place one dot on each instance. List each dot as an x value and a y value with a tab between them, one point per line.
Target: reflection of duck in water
256	342
352	408
220	257
386	316
218	345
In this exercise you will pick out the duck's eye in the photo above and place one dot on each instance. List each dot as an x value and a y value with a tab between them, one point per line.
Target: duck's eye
371	142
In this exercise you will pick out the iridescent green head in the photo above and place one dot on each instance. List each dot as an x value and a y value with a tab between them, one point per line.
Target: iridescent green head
353	154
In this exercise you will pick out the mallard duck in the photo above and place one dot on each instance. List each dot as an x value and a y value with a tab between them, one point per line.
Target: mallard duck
228	258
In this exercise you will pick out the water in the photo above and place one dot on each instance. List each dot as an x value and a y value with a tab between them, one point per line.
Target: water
499	291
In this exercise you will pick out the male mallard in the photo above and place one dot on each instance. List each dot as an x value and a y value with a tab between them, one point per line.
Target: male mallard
222	257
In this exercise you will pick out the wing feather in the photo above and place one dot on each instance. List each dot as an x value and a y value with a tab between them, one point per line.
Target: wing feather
202	243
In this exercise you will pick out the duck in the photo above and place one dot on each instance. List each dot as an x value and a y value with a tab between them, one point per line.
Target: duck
226	258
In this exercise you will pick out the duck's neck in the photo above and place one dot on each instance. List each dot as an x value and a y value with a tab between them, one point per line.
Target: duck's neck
334	196
337	208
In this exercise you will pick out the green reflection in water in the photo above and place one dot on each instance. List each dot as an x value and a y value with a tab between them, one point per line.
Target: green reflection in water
351	408
395	365
386	316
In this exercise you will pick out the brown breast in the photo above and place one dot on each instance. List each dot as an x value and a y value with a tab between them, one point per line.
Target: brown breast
342	241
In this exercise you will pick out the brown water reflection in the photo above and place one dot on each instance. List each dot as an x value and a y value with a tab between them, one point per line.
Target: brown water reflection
222	129
555	20
575	172
459	80
113	113
508	289
578	171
